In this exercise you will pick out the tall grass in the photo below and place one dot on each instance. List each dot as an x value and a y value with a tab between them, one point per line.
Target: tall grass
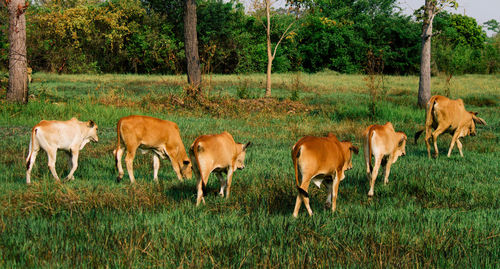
433	213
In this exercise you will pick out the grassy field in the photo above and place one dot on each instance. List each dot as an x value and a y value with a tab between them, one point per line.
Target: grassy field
433	213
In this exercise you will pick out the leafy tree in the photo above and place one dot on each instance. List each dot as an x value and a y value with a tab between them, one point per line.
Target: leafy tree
492	25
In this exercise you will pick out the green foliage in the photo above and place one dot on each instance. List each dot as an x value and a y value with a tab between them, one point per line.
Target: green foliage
461	46
147	36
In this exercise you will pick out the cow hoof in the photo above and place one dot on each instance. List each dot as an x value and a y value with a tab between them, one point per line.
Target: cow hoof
328	205
370	194
118	179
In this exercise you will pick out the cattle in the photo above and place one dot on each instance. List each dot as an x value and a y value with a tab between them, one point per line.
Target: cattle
29	71
448	116
71	136
386	145
148	134
217	153
321	159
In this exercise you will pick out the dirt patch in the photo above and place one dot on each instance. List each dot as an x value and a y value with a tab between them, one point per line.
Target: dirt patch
224	106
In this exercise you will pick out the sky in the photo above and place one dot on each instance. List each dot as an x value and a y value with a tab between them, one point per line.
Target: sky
481	10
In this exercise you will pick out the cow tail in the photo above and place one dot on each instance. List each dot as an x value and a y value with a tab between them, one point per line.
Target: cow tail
369	137
31	147
194	150
295	156
118	142
417	135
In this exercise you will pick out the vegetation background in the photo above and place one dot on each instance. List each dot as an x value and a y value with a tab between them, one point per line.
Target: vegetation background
132	36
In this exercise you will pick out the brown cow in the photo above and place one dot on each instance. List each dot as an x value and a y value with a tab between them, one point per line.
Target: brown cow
162	137
216	153
70	136
382	141
448	116
318	159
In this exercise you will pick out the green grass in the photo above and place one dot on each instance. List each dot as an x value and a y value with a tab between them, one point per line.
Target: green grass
433	213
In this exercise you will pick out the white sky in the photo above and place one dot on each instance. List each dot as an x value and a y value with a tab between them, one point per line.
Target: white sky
481	10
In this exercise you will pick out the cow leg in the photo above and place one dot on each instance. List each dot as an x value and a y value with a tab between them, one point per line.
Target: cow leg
118	161
390	161
440	129
52	155
459	146
229	180
31	162
378	161
129	161
428	136
298	203
306	179
453	141
367	162
202	183
223	183
74	164
156	167
339	177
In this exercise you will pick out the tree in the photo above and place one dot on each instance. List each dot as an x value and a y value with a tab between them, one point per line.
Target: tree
271	53
492	25
427	13
18	84
191	44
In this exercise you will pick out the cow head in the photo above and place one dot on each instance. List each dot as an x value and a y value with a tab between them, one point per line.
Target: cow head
186	169
240	158
92	131
401	146
472	124
349	149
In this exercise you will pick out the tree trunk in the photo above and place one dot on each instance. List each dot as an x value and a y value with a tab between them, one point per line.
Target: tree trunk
18	85
270	57
424	85
191	44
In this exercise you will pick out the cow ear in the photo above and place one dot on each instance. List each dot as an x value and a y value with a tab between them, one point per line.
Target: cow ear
478	120
401	141
354	149
247	145
186	162
90	123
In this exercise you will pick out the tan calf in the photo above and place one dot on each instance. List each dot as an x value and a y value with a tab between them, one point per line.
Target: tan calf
216	153
70	136
448	116
382	141
145	133
320	159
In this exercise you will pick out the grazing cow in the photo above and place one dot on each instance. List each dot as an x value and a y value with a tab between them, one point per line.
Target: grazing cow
382	141
216	153
448	116
320	159
71	136
29	71
145	133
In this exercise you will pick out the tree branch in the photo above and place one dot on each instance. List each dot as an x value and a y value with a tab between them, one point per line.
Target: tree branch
282	36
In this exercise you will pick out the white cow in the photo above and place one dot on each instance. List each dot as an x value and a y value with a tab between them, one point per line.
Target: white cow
71	136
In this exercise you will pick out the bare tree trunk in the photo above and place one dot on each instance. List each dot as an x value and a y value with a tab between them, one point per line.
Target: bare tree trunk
191	44
18	86
424	85
270	57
